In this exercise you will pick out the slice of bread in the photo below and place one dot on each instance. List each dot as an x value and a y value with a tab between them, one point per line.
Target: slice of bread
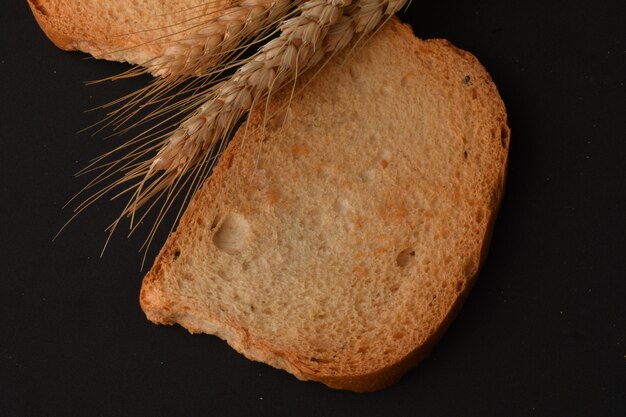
337	239
133	31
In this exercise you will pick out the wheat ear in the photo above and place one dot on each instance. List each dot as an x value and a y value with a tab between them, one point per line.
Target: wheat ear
217	112
207	43
320	29
323	28
195	55
294	50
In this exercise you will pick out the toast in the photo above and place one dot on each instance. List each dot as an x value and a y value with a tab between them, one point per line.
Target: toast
133	31
338	237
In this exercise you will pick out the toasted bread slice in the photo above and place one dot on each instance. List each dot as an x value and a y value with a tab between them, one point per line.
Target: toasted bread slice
134	31
337	239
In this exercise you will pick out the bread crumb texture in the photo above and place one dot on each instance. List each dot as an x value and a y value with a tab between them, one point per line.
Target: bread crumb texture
338	242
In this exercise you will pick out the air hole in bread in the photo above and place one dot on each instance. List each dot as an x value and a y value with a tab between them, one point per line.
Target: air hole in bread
470	269
386	90
433	301
279	120
223	275
368	176
405	256
232	234
504	135
354	73
176	254
479	216
40	7
467	80
341	206
215	222
408	79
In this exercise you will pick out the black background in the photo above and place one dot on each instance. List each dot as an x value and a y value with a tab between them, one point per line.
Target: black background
541	334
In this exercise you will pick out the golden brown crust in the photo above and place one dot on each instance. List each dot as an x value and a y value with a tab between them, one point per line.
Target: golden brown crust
158	309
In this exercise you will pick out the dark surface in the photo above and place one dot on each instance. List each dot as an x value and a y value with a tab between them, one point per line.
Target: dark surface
541	334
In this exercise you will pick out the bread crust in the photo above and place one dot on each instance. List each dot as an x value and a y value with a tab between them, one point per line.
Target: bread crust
163	310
